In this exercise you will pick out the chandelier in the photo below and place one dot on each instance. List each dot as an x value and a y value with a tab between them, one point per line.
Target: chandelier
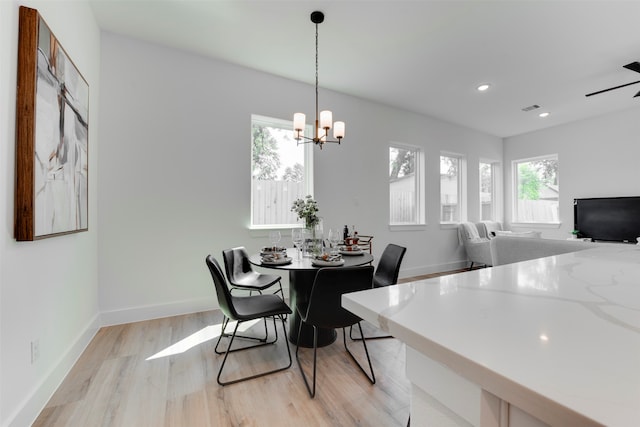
325	121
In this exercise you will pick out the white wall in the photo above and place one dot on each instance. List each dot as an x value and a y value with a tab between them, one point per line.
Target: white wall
48	288
597	157
175	173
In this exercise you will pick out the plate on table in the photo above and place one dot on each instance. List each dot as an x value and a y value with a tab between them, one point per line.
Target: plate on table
277	261
323	263
352	252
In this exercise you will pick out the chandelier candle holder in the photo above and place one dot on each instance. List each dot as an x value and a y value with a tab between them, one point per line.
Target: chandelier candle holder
324	122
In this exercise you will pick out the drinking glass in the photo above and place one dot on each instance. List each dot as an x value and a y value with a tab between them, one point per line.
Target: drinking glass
335	236
297	239
274	238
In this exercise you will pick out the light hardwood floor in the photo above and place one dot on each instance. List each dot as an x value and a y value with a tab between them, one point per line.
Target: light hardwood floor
115	383
163	373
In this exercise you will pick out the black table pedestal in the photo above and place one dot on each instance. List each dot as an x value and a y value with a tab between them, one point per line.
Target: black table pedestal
300	284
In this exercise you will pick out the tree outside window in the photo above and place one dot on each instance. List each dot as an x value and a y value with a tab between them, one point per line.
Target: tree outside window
537	190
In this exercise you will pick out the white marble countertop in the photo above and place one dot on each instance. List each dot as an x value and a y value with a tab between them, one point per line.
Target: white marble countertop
559	337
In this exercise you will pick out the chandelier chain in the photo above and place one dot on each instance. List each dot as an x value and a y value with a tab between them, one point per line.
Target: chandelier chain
316	125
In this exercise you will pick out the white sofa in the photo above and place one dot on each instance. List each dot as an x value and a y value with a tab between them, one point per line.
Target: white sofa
486	243
476	246
507	250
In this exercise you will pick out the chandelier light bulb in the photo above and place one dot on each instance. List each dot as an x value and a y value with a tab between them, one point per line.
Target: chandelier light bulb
299	120
338	130
326	119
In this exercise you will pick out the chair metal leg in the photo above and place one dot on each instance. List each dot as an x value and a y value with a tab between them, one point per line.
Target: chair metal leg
226	354
375	337
311	390
262	341
371	378
225	321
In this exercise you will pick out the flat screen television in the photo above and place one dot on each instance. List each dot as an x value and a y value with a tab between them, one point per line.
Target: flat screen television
612	219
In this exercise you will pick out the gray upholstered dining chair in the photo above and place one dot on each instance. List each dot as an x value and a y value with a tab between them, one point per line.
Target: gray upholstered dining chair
243	309
324	309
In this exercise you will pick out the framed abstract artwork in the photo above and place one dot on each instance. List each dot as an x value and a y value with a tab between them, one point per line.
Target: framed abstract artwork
52	136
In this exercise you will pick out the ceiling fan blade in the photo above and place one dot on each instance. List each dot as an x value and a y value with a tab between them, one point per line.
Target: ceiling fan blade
634	66
612	88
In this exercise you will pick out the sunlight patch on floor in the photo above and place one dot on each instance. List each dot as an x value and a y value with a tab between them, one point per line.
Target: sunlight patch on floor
203	335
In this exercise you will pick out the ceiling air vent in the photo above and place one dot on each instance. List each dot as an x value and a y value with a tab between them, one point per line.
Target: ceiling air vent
531	107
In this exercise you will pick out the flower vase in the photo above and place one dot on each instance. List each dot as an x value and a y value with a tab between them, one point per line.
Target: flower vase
313	235
307	236
318	238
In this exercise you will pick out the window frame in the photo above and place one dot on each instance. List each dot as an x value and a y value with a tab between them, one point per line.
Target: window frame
308	167
461	188
419	180
496	198
515	219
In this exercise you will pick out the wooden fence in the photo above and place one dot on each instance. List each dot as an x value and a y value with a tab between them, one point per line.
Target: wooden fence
402	208
538	211
272	201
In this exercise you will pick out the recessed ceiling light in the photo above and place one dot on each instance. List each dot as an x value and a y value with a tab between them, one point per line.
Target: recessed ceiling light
543	115
483	87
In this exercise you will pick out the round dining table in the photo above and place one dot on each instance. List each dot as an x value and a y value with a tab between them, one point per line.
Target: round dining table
302	274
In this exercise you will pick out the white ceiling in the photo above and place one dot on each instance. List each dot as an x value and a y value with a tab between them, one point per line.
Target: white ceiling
423	56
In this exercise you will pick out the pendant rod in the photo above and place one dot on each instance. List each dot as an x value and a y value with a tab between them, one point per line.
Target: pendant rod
315	129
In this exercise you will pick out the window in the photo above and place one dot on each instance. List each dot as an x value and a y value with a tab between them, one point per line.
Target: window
281	171
487	192
536	190
406	205
451	188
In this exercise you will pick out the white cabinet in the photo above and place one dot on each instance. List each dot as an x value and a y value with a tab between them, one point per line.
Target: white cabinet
442	398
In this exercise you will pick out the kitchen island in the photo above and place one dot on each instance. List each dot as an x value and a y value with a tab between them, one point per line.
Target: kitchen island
551	341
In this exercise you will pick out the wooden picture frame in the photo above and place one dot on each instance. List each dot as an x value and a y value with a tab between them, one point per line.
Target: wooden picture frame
52	136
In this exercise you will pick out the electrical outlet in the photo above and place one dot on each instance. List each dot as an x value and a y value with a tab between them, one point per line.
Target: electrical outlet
35	351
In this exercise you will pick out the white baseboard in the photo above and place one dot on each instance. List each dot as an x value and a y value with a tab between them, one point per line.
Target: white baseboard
30	407
157	311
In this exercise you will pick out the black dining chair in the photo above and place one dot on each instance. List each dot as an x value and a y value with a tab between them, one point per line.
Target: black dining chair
324	310
242	276
243	309
386	274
